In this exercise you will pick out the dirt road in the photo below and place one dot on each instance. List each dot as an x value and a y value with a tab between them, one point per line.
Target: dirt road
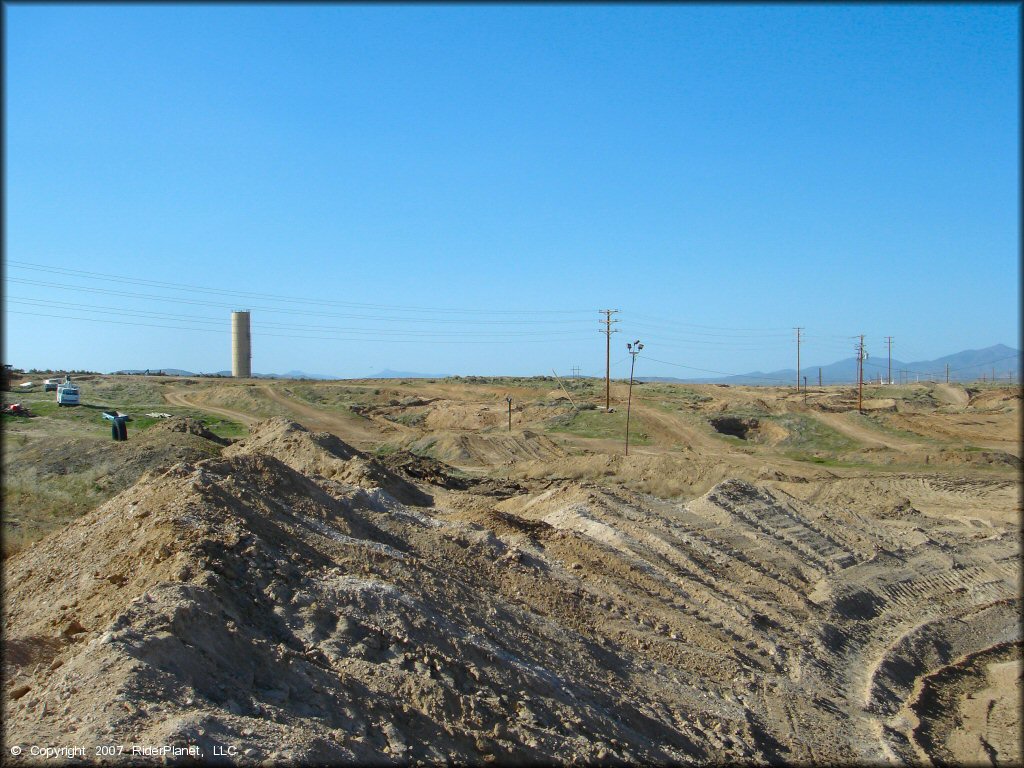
847	424
178	398
353	429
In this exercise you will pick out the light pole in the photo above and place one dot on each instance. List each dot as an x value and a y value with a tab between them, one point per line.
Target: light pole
634	350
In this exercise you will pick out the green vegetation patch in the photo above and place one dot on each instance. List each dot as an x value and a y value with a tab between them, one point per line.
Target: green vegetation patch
809	436
87	419
914	394
331	395
601	425
826	461
880	422
408	419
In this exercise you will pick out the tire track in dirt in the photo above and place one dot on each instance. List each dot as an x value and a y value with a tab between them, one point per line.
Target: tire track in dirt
678	430
312	418
350	429
969	428
841	423
177	398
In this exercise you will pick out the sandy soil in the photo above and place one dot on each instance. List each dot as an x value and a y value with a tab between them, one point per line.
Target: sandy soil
330	590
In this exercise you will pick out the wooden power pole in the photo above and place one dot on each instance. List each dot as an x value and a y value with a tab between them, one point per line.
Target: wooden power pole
860	375
608	331
798	358
888	340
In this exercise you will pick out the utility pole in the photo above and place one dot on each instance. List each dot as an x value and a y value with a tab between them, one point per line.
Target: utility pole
805	390
861	354
819	378
608	331
888	340
509	399
634	349
798	358
575	372
564	389
947	373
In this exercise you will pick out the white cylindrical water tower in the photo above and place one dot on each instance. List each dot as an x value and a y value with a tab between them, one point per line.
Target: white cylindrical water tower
241	345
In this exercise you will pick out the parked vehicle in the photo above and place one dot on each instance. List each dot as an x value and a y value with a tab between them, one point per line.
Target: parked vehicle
50	385
67	393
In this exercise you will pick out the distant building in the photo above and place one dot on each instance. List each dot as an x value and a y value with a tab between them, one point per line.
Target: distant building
241	345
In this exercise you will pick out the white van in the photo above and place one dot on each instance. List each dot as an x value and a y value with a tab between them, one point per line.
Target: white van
67	393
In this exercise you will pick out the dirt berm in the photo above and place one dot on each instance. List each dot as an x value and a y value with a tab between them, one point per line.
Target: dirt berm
281	602
236	602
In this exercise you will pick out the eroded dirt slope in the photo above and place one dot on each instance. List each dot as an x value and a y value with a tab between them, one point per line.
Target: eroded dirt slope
297	599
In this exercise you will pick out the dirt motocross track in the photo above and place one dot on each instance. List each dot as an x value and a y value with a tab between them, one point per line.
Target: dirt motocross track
382	572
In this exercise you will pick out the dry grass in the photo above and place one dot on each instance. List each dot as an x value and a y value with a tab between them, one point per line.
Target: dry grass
39	503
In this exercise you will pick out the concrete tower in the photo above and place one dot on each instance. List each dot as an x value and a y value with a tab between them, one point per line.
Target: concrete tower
241	345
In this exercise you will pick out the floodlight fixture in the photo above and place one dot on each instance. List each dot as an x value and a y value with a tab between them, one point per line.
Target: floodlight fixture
634	350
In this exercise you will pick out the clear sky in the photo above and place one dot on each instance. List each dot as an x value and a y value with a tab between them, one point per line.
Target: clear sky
459	189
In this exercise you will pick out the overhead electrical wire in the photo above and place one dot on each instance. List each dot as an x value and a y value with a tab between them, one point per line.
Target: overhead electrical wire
672	322
290	335
942	371
683	327
493	326
310	313
281	326
708	370
276	297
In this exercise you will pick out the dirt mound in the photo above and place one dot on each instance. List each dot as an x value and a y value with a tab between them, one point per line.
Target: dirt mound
447	414
1002	400
437	473
700	600
879	404
951	394
234	603
185	424
324	455
664	475
487	449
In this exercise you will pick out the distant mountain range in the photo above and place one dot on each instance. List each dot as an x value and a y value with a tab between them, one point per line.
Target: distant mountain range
154	372
969	365
385	374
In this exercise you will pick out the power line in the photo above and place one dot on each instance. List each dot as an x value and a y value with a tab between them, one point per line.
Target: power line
608	331
272	297
284	335
280	310
674	323
708	370
283	326
667	341
952	370
686	326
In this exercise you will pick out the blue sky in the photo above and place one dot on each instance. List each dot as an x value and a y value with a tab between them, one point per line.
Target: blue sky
459	188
